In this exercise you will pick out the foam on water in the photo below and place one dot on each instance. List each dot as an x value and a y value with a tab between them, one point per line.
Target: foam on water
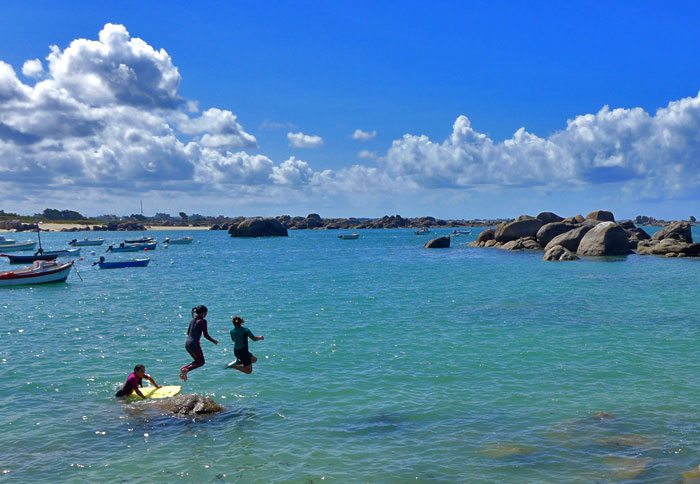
382	362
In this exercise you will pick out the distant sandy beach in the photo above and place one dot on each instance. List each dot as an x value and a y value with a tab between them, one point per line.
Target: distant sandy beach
58	227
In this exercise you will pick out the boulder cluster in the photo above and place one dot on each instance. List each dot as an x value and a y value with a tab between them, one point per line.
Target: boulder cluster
258	227
16	225
597	234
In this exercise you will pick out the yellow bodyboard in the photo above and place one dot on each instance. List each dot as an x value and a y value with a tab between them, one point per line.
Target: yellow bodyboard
162	392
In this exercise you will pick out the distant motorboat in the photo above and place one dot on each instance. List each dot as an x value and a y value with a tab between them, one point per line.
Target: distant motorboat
18	246
179	240
423	230
27	259
461	232
124	263
85	242
140	240
349	236
132	247
42	272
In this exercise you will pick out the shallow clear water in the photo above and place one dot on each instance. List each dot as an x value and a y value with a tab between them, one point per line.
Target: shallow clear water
383	362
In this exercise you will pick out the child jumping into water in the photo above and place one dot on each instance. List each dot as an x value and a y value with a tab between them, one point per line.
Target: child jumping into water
197	328
239	336
134	382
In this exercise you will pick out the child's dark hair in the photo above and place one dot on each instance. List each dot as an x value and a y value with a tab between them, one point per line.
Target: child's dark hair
237	321
139	368
199	310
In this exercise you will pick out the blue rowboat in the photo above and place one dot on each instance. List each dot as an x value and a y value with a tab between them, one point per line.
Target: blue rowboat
124	263
85	242
26	259
140	240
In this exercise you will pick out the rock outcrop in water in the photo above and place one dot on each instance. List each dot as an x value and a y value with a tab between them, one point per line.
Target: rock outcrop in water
606	238
258	227
598	234
187	405
559	252
439	243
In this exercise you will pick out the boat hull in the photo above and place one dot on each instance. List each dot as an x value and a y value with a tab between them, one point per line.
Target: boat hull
27	259
85	243
349	236
19	247
123	264
133	248
140	240
179	241
18	278
62	253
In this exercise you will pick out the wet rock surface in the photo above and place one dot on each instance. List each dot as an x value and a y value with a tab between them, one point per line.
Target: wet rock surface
186	405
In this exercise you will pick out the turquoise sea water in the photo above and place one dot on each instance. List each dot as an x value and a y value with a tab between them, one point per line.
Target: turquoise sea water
382	362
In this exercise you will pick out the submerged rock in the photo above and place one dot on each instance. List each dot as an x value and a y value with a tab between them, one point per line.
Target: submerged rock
186	404
439	243
559	252
606	238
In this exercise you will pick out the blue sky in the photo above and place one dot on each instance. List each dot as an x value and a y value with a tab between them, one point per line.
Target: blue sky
261	100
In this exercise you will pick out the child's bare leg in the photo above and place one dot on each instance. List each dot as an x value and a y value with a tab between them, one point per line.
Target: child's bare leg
183	374
253	359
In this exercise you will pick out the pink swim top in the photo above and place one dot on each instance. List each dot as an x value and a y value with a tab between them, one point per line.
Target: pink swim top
132	383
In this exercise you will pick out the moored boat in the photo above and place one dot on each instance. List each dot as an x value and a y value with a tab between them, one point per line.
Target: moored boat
27	259
132	247
19	246
140	240
349	236
60	253
42	272
86	242
123	263
423	230
179	240
4	241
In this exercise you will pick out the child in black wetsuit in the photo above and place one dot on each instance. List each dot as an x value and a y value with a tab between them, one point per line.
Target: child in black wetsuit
239	336
197	328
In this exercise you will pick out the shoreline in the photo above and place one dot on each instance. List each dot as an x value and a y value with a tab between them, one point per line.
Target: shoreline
55	227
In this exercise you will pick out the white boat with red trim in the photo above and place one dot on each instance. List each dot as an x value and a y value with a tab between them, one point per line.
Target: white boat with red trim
42	272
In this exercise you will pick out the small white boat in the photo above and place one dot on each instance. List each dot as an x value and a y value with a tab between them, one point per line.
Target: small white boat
179	240
423	230
461	232
42	272
85	242
4	241
349	236
28	245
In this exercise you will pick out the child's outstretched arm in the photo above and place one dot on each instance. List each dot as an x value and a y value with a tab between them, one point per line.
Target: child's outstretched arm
206	334
258	338
153	382
138	392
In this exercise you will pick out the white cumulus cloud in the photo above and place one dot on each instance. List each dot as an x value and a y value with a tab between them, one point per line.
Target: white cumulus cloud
33	68
364	135
368	155
301	140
